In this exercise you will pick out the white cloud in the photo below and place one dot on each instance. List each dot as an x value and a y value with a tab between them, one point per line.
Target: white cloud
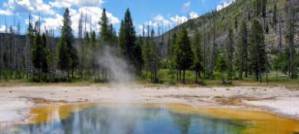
61	4
50	12
224	4
26	6
91	15
186	6
193	15
178	19
70	3
5	12
2	28
163	22
156	22
53	23
159	20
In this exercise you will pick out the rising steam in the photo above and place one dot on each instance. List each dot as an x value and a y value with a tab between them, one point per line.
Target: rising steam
117	68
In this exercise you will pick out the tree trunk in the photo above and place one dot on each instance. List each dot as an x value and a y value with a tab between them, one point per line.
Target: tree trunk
196	74
184	77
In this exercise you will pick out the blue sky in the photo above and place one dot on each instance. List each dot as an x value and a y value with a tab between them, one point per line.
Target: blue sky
149	12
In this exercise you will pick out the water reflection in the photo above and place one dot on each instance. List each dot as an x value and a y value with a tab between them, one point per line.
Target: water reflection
129	120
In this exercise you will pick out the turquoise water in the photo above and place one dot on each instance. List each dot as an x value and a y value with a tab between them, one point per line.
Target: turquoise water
131	120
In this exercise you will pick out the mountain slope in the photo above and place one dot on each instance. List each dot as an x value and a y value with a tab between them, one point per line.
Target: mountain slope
214	25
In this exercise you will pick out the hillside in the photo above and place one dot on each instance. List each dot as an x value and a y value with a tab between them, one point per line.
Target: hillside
215	24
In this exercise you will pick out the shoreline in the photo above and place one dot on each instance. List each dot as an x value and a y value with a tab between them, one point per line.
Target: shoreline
16	101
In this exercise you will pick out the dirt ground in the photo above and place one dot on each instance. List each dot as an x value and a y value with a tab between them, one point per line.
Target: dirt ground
16	101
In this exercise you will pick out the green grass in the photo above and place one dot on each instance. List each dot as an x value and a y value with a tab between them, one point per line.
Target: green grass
168	78
274	79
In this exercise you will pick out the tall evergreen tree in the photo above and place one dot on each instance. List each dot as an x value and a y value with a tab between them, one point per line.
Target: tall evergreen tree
184	54
45	54
127	41
105	32
230	54
221	66
67	54
29	44
112	32
290	36
198	59
257	50
151	57
86	53
242	51
40	55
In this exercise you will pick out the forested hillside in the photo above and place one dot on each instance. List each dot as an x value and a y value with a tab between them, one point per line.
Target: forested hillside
233	25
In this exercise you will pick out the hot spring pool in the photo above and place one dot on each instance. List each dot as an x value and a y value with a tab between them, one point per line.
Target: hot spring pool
162	119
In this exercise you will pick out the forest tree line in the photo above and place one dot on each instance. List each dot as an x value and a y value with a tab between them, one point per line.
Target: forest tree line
242	55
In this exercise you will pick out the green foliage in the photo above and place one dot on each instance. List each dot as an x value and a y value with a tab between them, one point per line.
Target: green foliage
230	54
183	53
40	57
208	51
107	33
280	62
151	57
104	33
39	54
67	54
127	41
257	50
242	51
260	7
221	65
290	39
274	17
198	59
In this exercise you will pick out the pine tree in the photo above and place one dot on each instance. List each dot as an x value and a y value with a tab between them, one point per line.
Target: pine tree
28	49
257	50
81	46
214	46
92	50
221	66
86	53
113	36
230	54
184	54
290	36
127	41
198	59
74	58
146	54
67	54
36	54
242	50
151	55
45	55
172	46
105	35
40	55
